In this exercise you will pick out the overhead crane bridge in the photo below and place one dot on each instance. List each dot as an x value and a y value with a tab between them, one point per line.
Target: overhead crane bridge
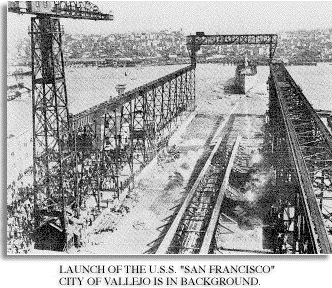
112	142
126	133
301	147
302	153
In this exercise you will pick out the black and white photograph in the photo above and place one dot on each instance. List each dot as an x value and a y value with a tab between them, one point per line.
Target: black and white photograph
154	128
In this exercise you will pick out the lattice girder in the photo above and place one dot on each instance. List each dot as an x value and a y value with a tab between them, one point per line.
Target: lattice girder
50	117
311	146
134	127
194	42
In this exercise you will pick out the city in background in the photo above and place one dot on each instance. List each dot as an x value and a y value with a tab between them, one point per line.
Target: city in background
169	47
165	47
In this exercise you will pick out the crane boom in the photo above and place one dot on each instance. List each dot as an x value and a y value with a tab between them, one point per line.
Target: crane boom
60	9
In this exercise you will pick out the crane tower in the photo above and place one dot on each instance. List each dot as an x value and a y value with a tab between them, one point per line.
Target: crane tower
53	161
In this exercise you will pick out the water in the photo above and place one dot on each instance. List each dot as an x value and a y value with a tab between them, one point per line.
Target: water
316	83
90	86
86	87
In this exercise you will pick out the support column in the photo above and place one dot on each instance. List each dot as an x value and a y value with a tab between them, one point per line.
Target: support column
51	152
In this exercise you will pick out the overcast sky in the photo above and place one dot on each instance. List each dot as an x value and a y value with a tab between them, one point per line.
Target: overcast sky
210	17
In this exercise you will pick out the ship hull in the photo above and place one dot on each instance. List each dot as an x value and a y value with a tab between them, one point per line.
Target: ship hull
244	80
249	82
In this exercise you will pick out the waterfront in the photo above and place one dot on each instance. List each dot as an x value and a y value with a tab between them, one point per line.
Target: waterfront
90	86
316	83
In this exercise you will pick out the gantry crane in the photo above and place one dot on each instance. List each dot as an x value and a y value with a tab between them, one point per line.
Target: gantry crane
194	42
53	161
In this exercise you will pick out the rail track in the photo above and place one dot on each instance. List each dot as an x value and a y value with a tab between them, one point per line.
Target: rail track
193	228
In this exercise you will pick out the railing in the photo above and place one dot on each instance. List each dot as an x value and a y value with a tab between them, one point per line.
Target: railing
310	149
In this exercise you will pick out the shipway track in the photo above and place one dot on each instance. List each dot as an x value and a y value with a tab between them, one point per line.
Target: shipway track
193	229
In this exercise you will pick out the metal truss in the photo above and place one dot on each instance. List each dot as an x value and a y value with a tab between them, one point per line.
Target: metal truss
301	136
126	133
193	228
50	118
60	9
79	10
59	155
194	42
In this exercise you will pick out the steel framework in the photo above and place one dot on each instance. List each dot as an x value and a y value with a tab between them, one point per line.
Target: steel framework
79	10
60	9
125	133
54	161
194	42
50	116
193	228
306	183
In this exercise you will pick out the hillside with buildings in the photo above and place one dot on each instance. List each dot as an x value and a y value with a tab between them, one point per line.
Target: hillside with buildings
169	47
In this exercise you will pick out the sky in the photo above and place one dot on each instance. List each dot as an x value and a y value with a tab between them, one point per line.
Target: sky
210	17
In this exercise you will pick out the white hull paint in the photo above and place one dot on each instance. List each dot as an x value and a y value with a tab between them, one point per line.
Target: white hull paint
245	79
249	82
